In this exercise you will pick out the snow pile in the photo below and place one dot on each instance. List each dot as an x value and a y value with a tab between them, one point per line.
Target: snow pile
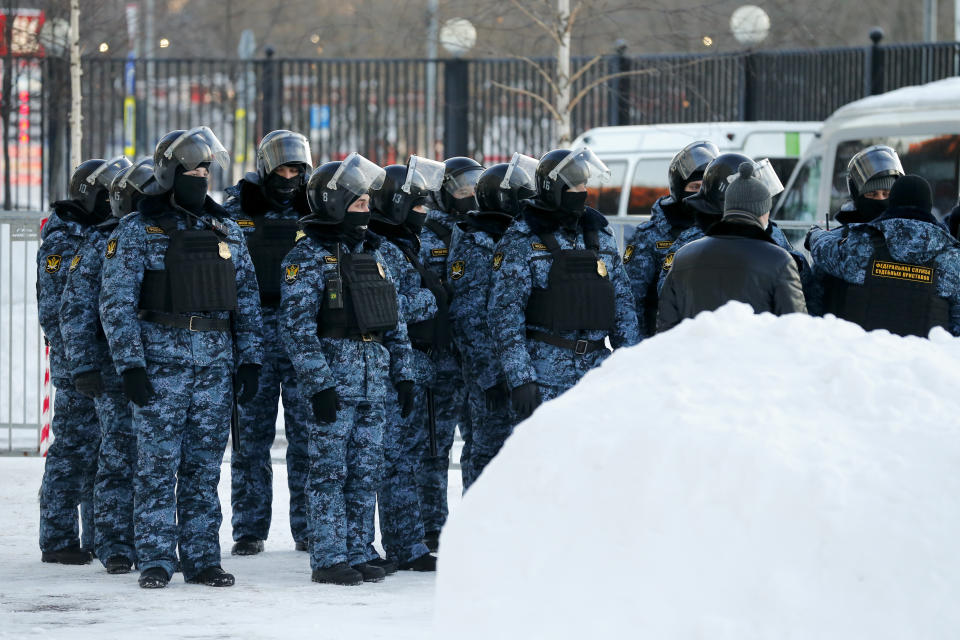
741	476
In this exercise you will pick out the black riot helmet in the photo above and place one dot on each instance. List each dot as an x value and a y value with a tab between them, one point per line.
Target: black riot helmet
334	186
560	169
186	150
460	176
281	147
405	187
503	186
709	199
872	169
688	165
90	183
130	185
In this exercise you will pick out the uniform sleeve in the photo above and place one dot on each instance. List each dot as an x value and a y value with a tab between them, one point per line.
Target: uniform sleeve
51	278
416	302
627	331
642	266
668	313
398	342
247	322
788	296
120	295
471	329
79	312
840	253
509	292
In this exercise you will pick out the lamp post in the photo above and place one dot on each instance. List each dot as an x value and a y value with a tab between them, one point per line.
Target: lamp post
457	36
750	26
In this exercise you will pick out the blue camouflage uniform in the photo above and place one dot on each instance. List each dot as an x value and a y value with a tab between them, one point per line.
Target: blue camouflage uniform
70	467
643	259
251	471
848	252
522	262
182	432
345	456
401	519
87	351
449	390
471	256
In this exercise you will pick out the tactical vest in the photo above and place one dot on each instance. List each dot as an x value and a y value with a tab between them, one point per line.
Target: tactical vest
434	332
579	294
268	245
199	275
358	299
901	298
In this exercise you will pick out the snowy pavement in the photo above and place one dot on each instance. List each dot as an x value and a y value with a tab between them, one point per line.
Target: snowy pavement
273	597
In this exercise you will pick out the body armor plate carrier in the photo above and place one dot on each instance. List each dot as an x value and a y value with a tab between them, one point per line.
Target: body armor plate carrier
268	245
363	302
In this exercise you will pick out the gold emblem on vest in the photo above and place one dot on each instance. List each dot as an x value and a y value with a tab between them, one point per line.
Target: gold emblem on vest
224	250
628	253
74	262
383	274
456	269
668	262
111	247
291	273
497	261
602	268
53	263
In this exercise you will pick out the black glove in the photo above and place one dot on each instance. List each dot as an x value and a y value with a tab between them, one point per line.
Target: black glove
88	383
246	382
497	397
325	405
525	399
137	387
812	234
405	397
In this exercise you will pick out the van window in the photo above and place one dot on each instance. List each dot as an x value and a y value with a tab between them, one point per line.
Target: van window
605	196
935	157
800	203
649	183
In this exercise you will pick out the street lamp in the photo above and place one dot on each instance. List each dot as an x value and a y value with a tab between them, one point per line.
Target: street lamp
458	36
104	47
750	25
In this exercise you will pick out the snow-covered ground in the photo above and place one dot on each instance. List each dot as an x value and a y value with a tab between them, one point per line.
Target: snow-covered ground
273	597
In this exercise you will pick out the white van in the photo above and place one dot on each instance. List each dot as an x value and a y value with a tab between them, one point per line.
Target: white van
921	123
639	156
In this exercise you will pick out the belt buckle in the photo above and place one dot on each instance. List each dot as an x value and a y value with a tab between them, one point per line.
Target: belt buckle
581	347
190	326
366	337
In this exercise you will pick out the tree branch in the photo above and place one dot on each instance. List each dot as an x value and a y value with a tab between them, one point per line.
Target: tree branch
543	25
546	76
582	70
622	74
529	94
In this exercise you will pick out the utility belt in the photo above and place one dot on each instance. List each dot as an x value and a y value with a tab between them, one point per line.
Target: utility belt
342	333
579	347
193	323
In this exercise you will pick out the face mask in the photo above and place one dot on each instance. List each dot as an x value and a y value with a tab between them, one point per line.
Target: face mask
281	190
189	192
102	210
463	205
573	202
868	208
415	221
353	229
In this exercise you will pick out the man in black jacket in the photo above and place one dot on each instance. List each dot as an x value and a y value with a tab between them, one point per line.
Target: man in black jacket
737	260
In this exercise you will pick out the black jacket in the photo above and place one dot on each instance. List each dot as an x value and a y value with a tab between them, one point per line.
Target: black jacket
737	260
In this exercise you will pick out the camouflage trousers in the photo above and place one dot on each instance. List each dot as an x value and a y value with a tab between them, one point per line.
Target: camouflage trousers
345	461
68	472
401	523
251	469
489	430
113	489
181	437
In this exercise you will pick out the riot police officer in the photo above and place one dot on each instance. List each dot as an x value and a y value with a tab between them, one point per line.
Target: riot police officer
266	205
501	190
902	269
95	376
178	300
670	216
70	466
340	314
447	397
559	288
398	212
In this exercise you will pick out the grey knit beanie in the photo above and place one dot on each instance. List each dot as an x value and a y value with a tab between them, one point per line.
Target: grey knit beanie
747	193
880	182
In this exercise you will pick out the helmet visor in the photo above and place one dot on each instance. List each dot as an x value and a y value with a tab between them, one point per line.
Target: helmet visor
357	175
580	166
695	156
763	171
464	184
521	172
873	162
106	172
286	148
197	146
140	177
423	176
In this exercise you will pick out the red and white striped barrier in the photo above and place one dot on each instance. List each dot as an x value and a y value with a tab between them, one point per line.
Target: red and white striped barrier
46	411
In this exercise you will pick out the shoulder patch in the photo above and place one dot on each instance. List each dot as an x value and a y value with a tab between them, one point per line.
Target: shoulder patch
539	246
497	261
53	263
439	253
664	244
75	262
628	253
291	272
301	234
111	247
330	259
456	269
246	222
153	229
668	261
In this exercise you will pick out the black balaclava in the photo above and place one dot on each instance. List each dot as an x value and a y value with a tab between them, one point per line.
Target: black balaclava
280	190
102	210
353	229
190	192
572	207
868	208
462	206
415	221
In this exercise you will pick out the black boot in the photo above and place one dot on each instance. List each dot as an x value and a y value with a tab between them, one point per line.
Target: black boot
426	562
153	578
432	540
302	545
247	546
70	555
340	573
370	573
389	566
117	564
213	577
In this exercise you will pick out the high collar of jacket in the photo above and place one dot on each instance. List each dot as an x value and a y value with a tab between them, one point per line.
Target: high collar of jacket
849	214
741	226
71	211
255	203
493	223
544	221
396	233
158	205
329	234
907	213
674	213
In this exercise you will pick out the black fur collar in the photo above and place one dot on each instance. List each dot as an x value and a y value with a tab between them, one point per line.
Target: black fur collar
543	221
677	215
493	223
395	232
71	211
727	227
327	234
907	213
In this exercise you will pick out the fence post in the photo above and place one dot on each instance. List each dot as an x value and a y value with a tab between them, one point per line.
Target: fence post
456	99
875	64
618	107
271	93
748	111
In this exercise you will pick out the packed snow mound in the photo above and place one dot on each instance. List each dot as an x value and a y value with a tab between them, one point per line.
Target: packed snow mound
741	476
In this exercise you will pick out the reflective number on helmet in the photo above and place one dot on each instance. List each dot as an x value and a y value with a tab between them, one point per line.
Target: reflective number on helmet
75	262
53	263
291	273
628	253
456	270
497	261
111	247
668	262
